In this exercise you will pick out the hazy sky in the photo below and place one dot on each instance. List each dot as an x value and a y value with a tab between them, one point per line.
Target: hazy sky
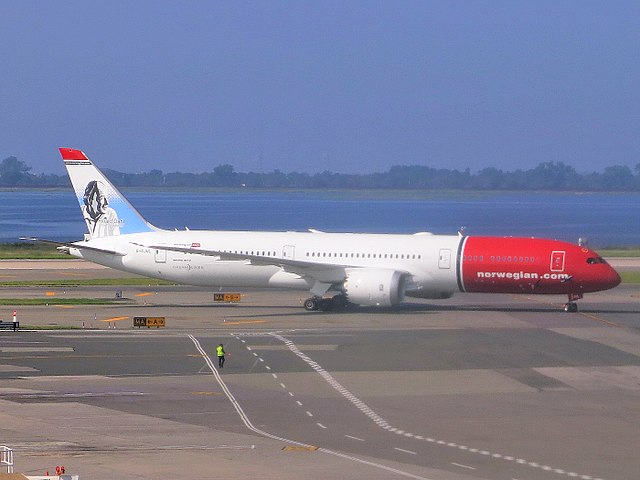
349	86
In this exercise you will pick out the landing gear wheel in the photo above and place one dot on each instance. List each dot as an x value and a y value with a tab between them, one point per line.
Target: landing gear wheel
325	304
311	304
339	302
571	307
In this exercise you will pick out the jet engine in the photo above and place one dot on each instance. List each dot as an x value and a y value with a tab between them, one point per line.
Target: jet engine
374	286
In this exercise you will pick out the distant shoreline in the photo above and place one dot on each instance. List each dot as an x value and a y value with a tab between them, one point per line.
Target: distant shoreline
385	192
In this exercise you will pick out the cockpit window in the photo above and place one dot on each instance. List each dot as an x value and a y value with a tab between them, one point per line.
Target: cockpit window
594	260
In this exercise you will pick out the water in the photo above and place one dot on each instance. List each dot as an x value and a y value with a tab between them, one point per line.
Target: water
604	219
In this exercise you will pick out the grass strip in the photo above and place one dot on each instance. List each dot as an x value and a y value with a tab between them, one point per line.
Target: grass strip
631	276
52	327
619	252
30	251
58	301
145	282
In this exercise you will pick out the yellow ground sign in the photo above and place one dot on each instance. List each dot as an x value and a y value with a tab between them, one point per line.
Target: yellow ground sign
227	297
149	322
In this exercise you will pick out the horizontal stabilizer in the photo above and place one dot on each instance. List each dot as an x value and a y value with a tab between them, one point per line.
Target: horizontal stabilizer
78	245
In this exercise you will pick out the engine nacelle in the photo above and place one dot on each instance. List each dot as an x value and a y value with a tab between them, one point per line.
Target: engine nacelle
374	286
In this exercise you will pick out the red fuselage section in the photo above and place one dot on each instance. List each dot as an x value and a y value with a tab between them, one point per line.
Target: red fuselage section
529	265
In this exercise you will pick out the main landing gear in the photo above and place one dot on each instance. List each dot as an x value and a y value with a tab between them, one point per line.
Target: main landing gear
325	304
572	306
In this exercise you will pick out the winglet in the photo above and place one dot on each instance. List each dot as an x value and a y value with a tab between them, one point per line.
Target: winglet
72	154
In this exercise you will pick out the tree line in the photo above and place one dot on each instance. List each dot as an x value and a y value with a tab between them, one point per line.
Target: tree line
555	176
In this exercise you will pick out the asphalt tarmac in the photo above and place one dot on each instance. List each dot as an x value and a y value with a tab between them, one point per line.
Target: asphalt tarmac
474	387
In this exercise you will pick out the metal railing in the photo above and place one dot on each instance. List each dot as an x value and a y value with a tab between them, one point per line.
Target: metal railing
6	458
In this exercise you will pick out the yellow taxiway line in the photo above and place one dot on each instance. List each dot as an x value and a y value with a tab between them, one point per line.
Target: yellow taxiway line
241	322
114	319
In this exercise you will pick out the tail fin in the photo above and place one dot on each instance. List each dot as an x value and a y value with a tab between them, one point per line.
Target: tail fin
104	208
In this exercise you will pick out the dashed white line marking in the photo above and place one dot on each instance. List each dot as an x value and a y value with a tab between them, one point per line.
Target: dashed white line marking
274	375
261	359
309	413
299	403
321	425
290	394
283	385
382	423
405	451
267	367
249	348
463	466
355	438
250	426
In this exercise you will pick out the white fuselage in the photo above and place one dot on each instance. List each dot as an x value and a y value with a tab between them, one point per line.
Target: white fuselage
430	261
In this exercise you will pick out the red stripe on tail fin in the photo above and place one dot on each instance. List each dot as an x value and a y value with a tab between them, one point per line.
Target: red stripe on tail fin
72	154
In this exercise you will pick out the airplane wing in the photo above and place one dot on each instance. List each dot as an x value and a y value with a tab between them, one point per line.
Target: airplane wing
320	276
254	259
317	271
78	245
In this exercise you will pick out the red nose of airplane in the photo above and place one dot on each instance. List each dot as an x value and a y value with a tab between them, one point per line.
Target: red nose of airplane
605	278
599	276
612	278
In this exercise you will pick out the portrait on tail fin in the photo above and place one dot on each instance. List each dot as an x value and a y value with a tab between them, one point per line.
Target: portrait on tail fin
102	220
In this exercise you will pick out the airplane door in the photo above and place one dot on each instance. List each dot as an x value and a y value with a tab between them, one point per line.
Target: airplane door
557	261
444	260
289	252
161	256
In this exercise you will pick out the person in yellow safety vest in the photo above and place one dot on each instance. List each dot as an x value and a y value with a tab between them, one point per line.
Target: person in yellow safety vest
220	353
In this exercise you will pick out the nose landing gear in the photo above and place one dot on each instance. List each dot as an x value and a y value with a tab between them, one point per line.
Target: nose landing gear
572	306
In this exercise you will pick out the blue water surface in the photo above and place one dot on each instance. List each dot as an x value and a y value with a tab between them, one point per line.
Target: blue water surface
604	219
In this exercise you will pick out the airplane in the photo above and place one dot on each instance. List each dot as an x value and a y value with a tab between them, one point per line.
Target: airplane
338	269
